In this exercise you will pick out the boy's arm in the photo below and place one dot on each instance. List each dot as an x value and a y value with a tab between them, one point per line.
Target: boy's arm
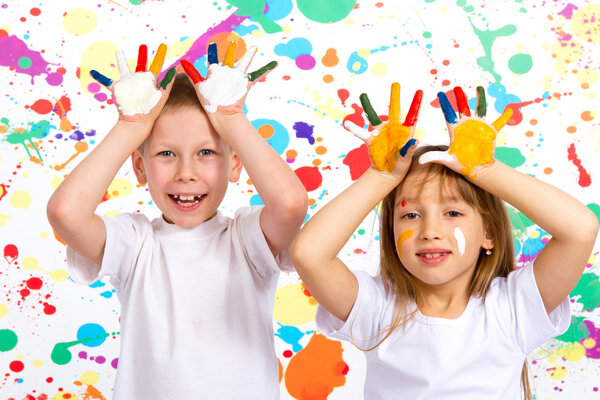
280	189
71	207
572	225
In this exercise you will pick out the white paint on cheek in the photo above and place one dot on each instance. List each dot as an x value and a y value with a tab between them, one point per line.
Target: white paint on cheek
460	240
136	93
224	87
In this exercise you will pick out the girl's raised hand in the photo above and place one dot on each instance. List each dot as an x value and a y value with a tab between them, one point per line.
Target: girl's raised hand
225	87
472	139
391	145
137	96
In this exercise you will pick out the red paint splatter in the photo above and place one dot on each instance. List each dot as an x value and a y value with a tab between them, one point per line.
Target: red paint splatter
343	94
358	251
16	366
305	290
288	353
310	177
42	106
584	177
10	253
35	11
24	293
49	309
2	190
63	106
34	283
358	160
517	116
356	117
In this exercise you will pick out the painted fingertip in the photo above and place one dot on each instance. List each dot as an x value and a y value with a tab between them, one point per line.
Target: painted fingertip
394	107
407	146
101	78
503	119
357	131
413	111
461	102
167	78
481	103
142	58
191	71
213	55
372	116
159	59
447	109
230	54
252	76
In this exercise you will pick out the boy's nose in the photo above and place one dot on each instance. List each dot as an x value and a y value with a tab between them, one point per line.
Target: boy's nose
186	172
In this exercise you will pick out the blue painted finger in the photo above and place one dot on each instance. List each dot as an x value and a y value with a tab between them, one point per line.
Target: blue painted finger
213	55
407	146
101	78
449	113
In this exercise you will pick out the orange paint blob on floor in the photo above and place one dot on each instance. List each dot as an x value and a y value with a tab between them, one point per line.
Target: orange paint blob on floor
473	145
385	147
316	370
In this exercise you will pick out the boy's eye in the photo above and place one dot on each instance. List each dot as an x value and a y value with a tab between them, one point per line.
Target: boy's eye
410	216
454	213
166	153
205	152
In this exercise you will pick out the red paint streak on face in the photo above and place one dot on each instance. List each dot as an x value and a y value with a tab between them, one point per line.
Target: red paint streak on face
585	179
34	283
403	203
10	253
316	370
358	160
343	94
310	177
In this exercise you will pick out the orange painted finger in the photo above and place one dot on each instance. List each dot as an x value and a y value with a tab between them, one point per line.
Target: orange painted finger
230	54
394	113
159	59
503	119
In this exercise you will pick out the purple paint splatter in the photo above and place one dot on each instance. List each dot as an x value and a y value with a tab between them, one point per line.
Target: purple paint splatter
304	130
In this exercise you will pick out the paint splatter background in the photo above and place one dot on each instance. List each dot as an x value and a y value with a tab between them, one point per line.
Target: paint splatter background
59	340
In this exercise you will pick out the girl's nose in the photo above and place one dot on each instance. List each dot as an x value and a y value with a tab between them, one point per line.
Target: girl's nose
431	229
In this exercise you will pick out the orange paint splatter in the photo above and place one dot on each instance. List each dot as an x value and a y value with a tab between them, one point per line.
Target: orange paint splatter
330	59
80	147
587	116
403	237
473	145
266	131
316	370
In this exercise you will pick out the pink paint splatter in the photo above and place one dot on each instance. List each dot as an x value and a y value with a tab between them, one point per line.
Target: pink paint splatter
567	12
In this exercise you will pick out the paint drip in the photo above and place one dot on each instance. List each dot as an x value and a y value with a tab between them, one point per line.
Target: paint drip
460	240
137	93
224	87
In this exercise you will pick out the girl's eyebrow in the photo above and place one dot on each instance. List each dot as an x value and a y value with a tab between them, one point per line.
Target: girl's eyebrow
445	199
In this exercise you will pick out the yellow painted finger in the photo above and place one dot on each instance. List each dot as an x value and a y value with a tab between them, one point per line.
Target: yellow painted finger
159	59
503	119
394	113
230	54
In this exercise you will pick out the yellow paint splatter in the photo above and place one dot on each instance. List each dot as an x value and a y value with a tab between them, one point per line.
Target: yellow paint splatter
473	145
403	237
119	188
64	395
59	275
89	378
589	343
3	310
4	218
571	352
557	373
20	199
379	69
329	110
79	21
100	56
585	23
38	363
30	263
293	306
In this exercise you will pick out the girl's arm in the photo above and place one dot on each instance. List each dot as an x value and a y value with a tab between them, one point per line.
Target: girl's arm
572	225
315	249
71	207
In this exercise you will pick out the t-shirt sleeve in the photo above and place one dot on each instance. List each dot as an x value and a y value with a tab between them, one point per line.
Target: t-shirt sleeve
249	233
124	237
369	318
531	324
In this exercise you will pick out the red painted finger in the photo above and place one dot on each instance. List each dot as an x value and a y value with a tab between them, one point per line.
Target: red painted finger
461	101
191	71
413	111
142	58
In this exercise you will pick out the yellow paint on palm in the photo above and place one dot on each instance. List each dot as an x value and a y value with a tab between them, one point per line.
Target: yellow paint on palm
473	145
385	147
403	237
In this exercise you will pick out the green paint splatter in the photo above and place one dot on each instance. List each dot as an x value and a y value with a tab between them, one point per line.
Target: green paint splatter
589	289
5	121
61	354
429	1
24	62
518	220
576	332
37	131
595	209
487	39
361	231
8	340
254	9
426	35
325	11
136	2
509	156
520	63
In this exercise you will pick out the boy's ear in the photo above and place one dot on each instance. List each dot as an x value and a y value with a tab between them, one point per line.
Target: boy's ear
236	168
138	167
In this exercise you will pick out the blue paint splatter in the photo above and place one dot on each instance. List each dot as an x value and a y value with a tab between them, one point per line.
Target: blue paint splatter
256	200
278	9
91	335
294	48
291	335
280	139
304	131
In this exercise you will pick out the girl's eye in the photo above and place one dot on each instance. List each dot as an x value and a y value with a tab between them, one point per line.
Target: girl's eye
166	153
454	213
206	152
410	216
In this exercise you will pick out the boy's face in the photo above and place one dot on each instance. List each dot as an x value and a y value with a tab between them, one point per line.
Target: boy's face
187	166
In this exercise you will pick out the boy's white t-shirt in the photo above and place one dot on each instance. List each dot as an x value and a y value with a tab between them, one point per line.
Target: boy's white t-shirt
196	306
478	355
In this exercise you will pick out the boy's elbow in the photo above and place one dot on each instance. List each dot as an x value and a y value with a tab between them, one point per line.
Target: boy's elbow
294	206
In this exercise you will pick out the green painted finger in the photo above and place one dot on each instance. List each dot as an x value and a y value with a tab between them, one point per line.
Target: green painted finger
252	76
371	114
167	78
481	104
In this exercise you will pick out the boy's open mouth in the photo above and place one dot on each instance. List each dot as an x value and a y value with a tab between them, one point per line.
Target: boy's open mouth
187	201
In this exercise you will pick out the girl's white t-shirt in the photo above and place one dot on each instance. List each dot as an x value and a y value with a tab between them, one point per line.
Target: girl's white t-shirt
478	355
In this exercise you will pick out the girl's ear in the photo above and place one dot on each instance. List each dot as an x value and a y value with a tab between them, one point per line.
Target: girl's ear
138	167
488	240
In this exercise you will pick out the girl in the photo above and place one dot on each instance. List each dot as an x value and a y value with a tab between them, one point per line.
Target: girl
448	317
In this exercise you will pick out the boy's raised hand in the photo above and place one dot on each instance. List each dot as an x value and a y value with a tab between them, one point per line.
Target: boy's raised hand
225	87
472	139
391	145
137	96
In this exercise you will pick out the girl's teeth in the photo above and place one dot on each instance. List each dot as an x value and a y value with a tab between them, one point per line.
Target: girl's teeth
432	255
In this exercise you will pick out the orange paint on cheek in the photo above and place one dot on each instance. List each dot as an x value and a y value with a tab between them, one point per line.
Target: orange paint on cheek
473	145
317	369
403	236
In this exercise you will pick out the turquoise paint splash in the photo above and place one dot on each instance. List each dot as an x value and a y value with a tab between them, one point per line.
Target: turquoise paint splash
588	288
37	131
255	9
487	38
291	335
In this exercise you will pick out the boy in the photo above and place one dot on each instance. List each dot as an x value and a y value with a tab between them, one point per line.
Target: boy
196	288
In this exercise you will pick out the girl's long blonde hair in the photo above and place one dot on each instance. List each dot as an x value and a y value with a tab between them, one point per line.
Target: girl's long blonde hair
405	287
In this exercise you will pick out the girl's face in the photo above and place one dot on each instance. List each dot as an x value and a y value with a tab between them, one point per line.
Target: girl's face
438	235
